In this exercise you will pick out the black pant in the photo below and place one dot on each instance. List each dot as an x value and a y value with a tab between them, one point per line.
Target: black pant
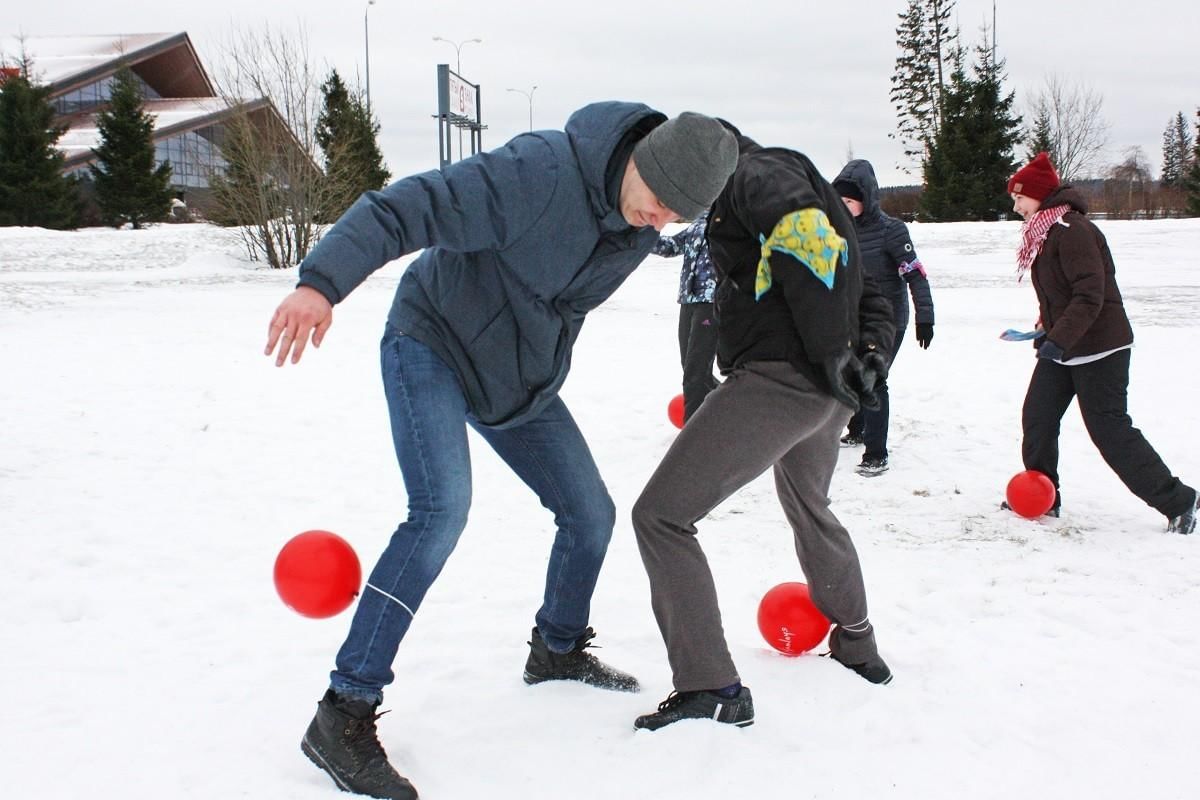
697	352
1101	387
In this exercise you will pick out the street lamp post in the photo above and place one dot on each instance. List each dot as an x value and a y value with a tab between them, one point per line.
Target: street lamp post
529	97
367	47
458	46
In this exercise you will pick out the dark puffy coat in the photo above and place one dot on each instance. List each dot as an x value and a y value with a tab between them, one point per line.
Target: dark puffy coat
1076	283
520	243
798	319
888	254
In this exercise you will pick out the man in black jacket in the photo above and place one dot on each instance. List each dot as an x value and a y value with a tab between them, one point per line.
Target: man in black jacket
801	342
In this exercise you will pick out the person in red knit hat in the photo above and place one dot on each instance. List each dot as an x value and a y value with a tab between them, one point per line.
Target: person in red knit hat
1084	349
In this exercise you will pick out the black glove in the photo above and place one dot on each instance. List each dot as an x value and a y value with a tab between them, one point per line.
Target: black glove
1049	349
924	334
851	383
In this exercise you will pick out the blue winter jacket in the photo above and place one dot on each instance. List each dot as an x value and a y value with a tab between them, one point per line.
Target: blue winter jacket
698	278
520	243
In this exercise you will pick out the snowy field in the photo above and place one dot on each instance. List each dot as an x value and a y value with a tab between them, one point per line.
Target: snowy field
153	461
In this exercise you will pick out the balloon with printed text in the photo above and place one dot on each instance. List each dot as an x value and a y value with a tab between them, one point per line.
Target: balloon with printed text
789	621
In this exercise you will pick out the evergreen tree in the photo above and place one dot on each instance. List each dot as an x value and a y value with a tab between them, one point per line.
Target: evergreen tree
1042	140
926	44
347	135
129	187
1192	181
33	190
1177	151
972	158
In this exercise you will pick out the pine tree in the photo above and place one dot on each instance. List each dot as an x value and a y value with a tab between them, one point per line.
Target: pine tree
919	81
347	135
1192	181
1042	140
972	158
129	187
33	190
1177	151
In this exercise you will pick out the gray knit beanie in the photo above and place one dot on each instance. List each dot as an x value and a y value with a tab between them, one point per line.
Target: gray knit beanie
686	161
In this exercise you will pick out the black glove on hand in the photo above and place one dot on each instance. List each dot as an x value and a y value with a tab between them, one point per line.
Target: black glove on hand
871	378
836	367
1050	350
924	334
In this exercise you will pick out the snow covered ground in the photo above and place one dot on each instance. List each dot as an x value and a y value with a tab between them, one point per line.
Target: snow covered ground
153	461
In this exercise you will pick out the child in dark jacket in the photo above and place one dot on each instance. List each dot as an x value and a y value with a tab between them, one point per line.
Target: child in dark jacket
889	258
1085	351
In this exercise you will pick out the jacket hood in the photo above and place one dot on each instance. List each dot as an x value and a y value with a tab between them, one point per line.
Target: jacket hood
1066	195
596	131
860	173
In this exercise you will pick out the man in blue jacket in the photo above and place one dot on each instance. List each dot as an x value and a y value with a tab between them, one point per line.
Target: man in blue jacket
519	245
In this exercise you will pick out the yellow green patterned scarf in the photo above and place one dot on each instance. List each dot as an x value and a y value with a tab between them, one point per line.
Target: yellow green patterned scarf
809	237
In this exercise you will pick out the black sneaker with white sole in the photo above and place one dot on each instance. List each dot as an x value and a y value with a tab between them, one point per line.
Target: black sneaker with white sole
342	740
870	467
851	440
737	710
544	664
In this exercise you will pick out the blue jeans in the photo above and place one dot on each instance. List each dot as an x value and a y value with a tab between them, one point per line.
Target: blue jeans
429	418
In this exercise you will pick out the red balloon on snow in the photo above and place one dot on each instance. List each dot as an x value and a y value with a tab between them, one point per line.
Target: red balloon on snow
317	574
675	411
789	621
1030	493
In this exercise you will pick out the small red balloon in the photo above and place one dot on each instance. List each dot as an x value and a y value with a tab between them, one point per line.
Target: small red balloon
317	574
675	411
1030	493
789	621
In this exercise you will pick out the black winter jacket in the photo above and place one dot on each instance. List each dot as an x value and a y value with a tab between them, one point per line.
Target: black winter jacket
888	254
799	319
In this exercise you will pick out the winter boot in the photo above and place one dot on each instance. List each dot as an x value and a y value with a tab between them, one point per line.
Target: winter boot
546	665
870	467
1055	512
1185	522
343	741
857	651
678	706
851	440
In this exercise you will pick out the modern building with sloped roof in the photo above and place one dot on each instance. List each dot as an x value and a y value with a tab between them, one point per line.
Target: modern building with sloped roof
189	116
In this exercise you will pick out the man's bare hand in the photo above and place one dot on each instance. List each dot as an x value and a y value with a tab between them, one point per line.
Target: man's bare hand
303	314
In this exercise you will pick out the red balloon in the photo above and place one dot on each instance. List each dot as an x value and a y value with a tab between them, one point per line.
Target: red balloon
1030	493
789	621
675	411
317	574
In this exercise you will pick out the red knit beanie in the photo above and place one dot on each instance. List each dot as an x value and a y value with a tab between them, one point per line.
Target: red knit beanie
1037	179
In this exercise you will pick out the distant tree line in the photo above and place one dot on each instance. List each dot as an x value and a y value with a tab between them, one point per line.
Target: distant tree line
959	129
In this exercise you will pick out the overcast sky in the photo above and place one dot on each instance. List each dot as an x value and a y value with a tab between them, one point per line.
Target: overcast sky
811	76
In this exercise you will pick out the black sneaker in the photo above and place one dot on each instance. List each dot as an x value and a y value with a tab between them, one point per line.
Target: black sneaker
1054	512
546	665
343	741
1185	522
870	467
871	667
737	710
851	440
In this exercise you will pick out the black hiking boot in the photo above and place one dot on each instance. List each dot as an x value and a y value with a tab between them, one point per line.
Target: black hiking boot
678	706
343	741
857	652
546	665
1185	522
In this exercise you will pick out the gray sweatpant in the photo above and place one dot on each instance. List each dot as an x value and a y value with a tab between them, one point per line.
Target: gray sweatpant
764	414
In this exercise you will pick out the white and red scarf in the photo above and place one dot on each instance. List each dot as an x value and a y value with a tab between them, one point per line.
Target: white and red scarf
1033	235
